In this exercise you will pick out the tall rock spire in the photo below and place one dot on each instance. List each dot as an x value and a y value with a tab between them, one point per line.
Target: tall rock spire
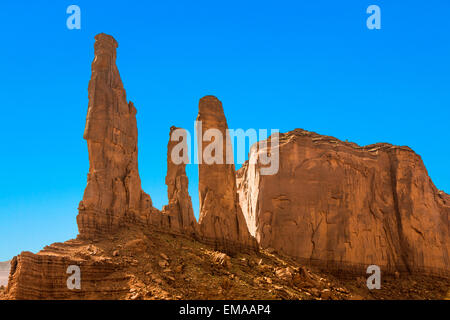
179	209
222	222
113	190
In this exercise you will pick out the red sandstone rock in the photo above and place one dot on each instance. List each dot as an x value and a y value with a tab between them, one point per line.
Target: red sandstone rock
113	200
180	206
44	275
332	203
113	195
113	190
345	207
221	220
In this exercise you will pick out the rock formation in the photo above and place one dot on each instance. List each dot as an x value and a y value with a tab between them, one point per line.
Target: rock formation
331	203
113	192
180	205
44	275
221	220
139	264
345	207
113	200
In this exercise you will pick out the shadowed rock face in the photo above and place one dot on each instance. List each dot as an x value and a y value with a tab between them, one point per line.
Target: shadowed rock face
221	220
113	190
346	207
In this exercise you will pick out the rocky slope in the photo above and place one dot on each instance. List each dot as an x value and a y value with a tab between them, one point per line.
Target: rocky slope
146	264
344	207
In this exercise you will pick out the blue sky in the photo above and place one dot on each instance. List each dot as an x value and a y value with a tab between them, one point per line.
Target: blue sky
274	64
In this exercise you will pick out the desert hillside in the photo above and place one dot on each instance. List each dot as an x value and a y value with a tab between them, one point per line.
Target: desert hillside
148	264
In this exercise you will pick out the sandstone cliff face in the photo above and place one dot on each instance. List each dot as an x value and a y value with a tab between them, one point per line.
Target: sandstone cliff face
221	220
345	207
113	190
44	275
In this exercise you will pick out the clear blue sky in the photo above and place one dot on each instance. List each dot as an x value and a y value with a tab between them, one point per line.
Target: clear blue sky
274	64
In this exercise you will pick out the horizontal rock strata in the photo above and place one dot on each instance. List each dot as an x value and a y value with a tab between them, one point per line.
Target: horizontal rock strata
44	275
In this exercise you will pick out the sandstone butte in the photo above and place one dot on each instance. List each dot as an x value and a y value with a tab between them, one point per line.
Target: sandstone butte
341	206
332	204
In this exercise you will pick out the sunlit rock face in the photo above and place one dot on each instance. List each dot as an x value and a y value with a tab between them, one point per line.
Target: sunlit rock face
221	220
345	207
113	190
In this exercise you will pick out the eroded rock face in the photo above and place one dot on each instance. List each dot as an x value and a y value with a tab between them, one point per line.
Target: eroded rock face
221	220
113	190
180	205
345	207
44	275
